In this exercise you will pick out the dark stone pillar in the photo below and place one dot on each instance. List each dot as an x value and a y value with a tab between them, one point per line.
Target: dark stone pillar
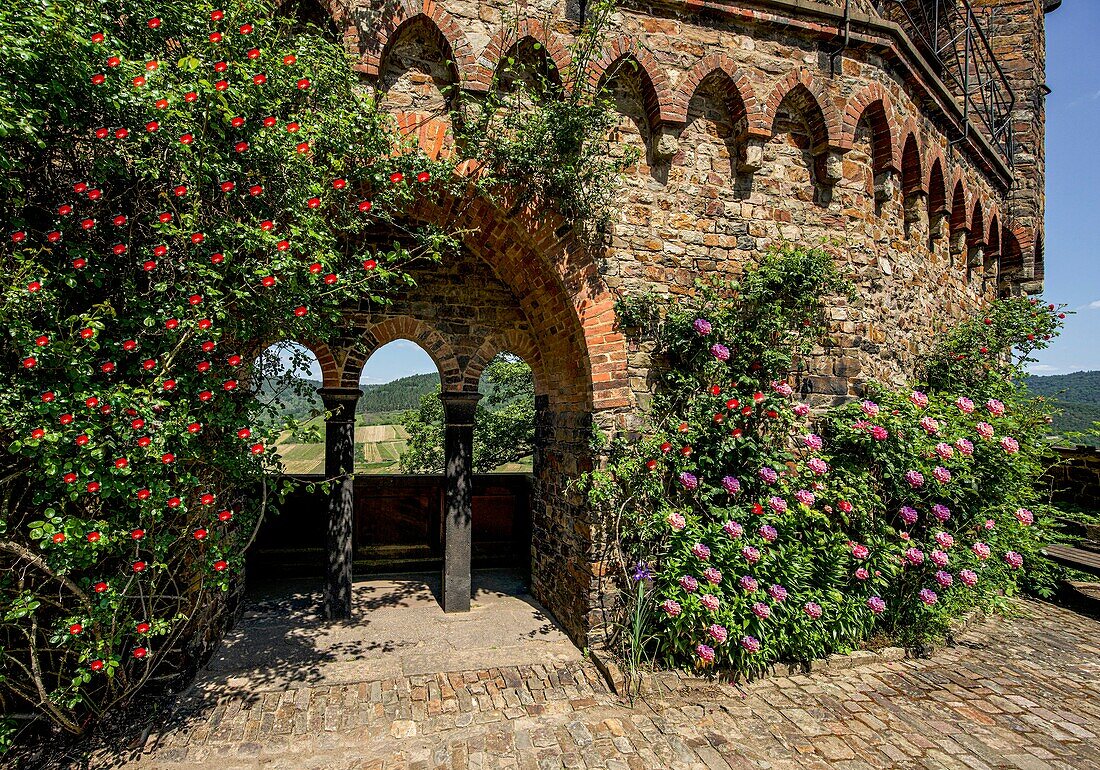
458	444
339	463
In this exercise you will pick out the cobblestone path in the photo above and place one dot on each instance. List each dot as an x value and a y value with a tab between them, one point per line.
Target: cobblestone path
1018	693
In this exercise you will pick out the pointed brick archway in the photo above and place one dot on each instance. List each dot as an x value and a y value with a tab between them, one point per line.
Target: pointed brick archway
523	284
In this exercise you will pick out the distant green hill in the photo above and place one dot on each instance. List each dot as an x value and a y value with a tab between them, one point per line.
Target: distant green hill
380	403
1077	395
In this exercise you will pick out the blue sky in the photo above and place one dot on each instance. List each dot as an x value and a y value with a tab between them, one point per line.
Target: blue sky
399	358
1073	184
1072	213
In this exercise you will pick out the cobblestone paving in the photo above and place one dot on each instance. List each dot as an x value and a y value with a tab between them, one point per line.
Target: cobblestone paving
1020	693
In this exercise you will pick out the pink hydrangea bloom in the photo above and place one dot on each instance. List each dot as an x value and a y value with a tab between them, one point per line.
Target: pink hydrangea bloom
777	504
710	601
778	593
928	596
914	556
817	465
767	475
918	399
908	515
671	608
964	447
941	512
733	529
812	609
876	605
768	532
860	551
862	573
751	554
801	410
705	653
805	496
1014	560
944	579
966	406
869	408
720	352
761	610
914	479
731	485
751	644
1010	445
968	577
688	481
702	326
929	426
981	550
1025	517
990	524
712	576
689	584
718	633
677	521
944	450
944	539
939	558
942	474
995	407
813	441
748	583
700	551
985	430
782	388
879	433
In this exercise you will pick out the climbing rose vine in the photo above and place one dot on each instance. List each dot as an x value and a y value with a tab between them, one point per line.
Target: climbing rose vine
770	532
186	184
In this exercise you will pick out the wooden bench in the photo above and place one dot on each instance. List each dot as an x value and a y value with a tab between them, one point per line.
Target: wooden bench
1074	558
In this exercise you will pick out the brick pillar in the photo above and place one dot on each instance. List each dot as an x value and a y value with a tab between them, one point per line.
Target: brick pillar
458	445
339	462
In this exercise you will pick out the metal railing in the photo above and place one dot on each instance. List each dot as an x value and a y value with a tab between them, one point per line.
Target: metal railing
950	35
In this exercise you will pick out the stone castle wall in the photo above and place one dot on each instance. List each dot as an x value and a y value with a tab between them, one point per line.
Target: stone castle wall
756	123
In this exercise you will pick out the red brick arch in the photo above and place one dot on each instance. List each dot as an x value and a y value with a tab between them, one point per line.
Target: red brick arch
741	96
403	328
913	179
811	99
874	103
977	235
510	341
570	310
938	202
404	13
960	206
993	245
330	367
505	39
658	100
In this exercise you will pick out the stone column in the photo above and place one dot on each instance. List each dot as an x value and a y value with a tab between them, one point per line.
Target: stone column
339	462
458	447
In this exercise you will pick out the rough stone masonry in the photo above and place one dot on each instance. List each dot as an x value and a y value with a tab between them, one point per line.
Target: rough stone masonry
757	122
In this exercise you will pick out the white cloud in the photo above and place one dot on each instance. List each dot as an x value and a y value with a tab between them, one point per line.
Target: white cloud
1043	369
1094	305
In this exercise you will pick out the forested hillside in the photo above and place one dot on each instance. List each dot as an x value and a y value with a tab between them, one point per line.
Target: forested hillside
384	400
1078	396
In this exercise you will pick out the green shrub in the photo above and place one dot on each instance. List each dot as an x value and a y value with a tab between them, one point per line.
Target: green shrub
766	541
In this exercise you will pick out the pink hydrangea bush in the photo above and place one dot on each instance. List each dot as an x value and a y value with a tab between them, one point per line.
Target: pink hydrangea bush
894	512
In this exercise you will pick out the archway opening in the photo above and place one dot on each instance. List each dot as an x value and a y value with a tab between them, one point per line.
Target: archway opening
400	384
289	376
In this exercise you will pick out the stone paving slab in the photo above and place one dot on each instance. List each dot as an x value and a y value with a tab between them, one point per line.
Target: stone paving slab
1021	693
